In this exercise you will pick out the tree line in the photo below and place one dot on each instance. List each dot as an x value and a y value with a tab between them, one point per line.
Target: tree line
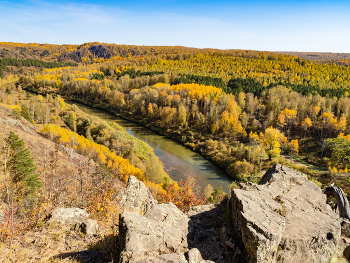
34	63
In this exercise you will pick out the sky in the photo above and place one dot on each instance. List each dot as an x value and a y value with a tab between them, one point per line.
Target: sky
295	25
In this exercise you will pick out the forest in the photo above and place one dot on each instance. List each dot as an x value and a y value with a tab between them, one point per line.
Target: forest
242	110
209	109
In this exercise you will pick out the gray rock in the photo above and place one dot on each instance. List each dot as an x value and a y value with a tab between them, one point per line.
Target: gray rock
194	256
68	215
171	224
162	230
89	227
208	216
18	124
136	197
286	219
313	230
166	258
279	172
260	227
345	227
137	235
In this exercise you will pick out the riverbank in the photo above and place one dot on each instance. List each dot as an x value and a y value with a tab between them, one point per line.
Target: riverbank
215	150
179	161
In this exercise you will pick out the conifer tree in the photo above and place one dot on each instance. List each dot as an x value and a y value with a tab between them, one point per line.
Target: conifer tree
25	113
2	74
21	165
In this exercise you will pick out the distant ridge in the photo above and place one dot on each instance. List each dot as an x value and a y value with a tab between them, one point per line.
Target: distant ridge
316	55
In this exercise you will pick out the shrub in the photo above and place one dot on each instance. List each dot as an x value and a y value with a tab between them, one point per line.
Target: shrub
184	195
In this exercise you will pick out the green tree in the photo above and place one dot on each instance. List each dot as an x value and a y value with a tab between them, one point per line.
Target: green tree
21	165
2	74
218	194
340	148
182	115
25	113
154	170
70	120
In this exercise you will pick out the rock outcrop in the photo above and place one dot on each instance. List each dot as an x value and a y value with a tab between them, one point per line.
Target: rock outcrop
162	230
29	128
285	219
68	215
282	173
152	232
79	218
136	197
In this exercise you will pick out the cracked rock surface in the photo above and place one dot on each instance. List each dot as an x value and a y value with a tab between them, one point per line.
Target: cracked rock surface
136	197
285	219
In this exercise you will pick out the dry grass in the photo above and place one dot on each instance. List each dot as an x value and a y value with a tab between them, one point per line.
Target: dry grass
54	243
58	244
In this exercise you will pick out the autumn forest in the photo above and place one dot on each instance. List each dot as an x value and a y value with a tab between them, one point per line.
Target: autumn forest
242	110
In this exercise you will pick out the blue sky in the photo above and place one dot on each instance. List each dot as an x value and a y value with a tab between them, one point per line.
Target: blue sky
257	25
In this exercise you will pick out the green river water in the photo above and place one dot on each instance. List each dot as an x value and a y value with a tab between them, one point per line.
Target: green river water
179	162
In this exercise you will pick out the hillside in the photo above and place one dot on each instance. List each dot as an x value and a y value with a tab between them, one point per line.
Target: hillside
60	172
322	57
245	111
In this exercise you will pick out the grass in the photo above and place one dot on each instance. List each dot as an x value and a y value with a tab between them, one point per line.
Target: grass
300	160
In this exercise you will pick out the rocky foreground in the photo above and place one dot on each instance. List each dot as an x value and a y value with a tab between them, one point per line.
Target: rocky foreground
283	219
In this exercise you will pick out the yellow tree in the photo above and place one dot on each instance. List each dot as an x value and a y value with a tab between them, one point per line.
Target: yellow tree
294	146
182	115
150	110
271	141
281	120
290	116
314	112
306	124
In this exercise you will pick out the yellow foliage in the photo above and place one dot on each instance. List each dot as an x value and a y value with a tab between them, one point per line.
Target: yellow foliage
294	146
272	141
156	189
306	124
119	166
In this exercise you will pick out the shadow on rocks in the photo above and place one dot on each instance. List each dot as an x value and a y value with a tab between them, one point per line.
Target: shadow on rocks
103	251
210	232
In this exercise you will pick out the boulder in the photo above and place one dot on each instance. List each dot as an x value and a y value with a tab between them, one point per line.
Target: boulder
194	256
162	230
89	227
136	197
152	232
285	219
279	172
261	228
312	229
68	216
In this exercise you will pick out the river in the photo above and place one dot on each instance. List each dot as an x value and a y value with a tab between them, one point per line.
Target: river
179	162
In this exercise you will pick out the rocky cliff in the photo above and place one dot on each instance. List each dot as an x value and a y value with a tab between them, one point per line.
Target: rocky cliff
285	218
